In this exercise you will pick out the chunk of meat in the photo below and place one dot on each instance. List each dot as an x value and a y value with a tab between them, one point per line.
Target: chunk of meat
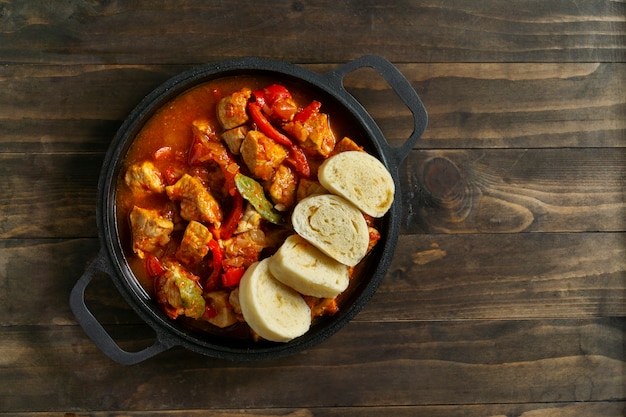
314	134
196	202
234	137
251	219
178	292
223	314
282	188
231	110
195	243
322	306
308	187
346	144
212	177
262	155
144	177
233	300
150	230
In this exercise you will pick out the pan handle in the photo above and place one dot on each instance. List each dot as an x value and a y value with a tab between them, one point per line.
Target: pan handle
94	329
400	86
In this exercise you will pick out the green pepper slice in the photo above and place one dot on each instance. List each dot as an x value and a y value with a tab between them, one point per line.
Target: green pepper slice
252	191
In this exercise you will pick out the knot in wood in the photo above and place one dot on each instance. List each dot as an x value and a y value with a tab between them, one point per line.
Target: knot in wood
443	180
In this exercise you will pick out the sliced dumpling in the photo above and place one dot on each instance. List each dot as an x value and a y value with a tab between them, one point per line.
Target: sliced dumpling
303	267
361	179
273	310
334	226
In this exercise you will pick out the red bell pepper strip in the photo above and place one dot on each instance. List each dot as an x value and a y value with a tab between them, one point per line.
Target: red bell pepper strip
231	277
196	152
298	159
153	266
229	226
218	256
259	98
265	126
306	113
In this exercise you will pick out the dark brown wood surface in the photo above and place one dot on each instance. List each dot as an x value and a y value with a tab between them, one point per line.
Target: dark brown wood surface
506	295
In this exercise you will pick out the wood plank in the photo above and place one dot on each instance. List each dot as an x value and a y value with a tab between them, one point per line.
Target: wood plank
44	195
70	108
446	191
53	267
432	277
604	409
494	105
78	108
510	191
525	276
194	31
385	364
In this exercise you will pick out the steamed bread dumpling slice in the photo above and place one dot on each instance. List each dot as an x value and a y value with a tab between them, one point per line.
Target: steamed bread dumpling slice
303	267
334	226
359	178
273	310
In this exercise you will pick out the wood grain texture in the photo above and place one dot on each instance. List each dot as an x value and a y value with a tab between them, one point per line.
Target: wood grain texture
509	191
612	409
440	277
431	363
608	409
78	108
404	31
495	105
45	195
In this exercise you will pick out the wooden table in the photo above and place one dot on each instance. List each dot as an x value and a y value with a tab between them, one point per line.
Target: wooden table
506	295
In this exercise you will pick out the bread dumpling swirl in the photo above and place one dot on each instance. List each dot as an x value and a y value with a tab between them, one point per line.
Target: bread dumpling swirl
361	179
303	267
334	226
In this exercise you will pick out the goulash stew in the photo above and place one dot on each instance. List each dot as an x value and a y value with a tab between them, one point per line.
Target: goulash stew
208	187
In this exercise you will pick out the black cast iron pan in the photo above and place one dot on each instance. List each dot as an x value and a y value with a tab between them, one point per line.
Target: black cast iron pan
111	259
